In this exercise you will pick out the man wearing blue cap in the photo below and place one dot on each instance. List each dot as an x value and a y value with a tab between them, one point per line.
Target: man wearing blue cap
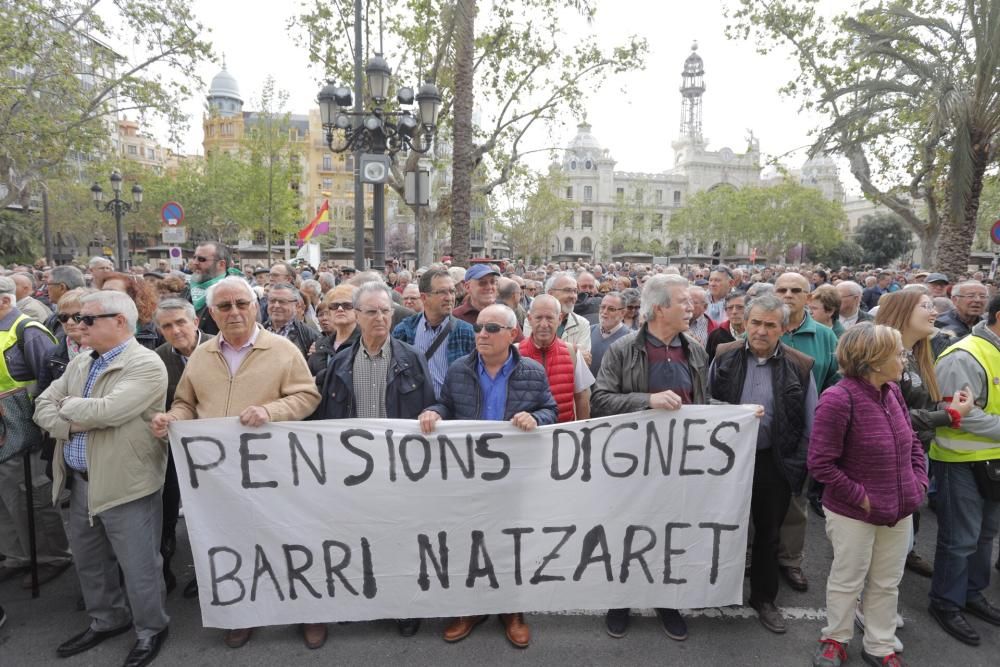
480	292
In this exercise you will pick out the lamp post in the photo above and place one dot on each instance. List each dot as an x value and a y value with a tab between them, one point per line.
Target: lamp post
376	136
118	207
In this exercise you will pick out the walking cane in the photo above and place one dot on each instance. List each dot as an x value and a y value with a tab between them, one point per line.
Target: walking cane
32	546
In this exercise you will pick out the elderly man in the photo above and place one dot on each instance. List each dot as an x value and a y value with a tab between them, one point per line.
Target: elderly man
399	311
819	343
850	304
610	328
480	292
763	371
970	303
871	295
701	324
732	328
937	283
963	456
569	376
721	282
282	307
572	328
478	387
99	413
440	337
588	300
24	289
411	298
244	372
509	294
209	265
25	345
176	320
100	268
658	367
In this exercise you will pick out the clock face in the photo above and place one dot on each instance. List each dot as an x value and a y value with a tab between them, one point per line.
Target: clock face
374	172
726	154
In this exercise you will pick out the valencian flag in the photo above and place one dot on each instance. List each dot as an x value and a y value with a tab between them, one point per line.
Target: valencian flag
319	225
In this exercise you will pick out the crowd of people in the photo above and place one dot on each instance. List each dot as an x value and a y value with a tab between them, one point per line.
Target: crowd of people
876	390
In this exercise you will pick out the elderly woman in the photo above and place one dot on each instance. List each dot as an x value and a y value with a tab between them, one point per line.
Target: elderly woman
68	338
631	297
824	306
339	325
872	464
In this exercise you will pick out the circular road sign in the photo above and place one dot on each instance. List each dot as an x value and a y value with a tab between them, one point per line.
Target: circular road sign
172	213
175	252
995	232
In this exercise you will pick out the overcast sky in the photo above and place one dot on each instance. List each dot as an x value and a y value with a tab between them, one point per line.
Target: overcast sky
637	126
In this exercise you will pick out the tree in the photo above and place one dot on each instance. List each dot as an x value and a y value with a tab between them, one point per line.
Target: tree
464	147
61	83
20	234
845	253
527	73
907	87
769	218
883	237
631	224
533	212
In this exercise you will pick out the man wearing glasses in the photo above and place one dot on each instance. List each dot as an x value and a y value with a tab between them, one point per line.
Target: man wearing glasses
610	328
572	327
210	265
970	303
243	372
480	386
282	308
441	338
480	292
103	401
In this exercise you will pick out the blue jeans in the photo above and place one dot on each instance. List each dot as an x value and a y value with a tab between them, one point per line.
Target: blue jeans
967	526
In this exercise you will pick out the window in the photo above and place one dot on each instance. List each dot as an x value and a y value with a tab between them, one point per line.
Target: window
568	245
659	196
150	153
572	165
588	164
585	245
614	221
588	193
327	163
327	185
587	220
657	222
570	219
349	163
620	193
133	150
638	196
677	197
569	192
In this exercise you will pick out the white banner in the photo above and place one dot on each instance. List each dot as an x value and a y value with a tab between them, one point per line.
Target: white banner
364	519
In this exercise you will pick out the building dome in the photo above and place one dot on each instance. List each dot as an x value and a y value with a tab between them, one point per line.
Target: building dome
224	85
694	65
584	141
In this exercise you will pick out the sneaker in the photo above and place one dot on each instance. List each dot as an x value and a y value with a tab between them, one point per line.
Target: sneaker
891	660
617	620
859	621
673	624
830	653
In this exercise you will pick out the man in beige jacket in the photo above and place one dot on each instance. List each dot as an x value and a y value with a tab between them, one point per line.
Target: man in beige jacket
244	372
99	413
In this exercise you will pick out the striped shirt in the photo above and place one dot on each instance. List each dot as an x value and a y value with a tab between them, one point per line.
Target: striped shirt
75	451
424	336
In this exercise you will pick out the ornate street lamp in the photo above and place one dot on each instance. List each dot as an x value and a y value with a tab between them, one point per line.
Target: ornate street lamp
118	208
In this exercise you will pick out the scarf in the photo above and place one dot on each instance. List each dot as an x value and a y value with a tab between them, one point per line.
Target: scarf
198	290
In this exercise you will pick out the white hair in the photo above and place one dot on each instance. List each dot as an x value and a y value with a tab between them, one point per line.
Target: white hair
656	292
509	314
119	303
371	287
556	276
97	260
228	281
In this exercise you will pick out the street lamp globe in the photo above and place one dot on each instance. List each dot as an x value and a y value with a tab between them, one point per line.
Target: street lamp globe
116	182
97	193
429	103
379	74
327	104
137	194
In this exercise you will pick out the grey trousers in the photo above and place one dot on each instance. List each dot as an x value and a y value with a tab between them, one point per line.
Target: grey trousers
49	533
127	535
792	542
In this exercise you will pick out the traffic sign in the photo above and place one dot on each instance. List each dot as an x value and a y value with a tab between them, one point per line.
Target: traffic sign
176	257
174	234
172	213
995	232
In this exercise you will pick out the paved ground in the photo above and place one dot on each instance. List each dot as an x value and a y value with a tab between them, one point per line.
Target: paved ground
726	636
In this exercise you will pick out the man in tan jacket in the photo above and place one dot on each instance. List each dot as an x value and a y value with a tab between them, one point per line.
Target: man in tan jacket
99	413
244	372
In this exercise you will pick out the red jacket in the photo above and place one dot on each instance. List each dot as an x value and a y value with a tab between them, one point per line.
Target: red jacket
558	366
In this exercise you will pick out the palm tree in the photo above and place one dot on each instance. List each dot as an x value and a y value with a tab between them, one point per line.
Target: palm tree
464	156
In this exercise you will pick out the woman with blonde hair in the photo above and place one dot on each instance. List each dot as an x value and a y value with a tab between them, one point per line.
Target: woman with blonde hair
863	449
339	324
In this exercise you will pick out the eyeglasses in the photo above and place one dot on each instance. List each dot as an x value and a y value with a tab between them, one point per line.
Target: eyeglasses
735	306
610	309
90	319
632	307
568	290
442	292
271	300
491	327
972	297
793	290
927	305
372	312
66	317
341	305
241	304
200	259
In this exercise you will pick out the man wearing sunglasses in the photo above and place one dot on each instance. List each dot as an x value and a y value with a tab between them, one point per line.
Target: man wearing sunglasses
25	346
481	386
210	264
244	372
819	343
99	413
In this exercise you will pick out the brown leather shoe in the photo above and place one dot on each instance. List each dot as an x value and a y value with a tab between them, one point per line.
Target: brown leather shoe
917	565
461	627
518	632
795	578
314	634
237	638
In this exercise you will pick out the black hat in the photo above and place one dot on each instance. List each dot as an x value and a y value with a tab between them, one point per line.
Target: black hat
260	269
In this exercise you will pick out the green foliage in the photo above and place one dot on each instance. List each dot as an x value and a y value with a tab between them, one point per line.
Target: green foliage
770	219
20	237
844	253
533	212
884	237
632	225
908	92
61	84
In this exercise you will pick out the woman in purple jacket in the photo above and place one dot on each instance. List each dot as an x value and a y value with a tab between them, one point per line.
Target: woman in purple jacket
871	462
